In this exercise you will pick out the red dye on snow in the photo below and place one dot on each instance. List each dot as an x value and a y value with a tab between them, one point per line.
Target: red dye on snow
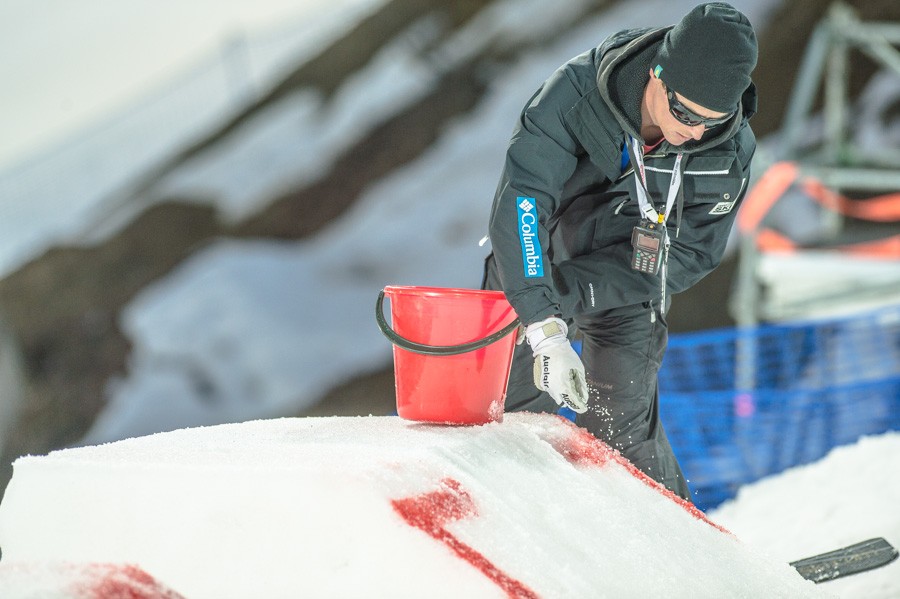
114	581
431	512
581	448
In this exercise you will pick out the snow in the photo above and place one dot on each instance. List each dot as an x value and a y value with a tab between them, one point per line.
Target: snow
384	507
63	184
850	495
76	63
67	580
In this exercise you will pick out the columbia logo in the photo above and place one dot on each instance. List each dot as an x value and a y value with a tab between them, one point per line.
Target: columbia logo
532	255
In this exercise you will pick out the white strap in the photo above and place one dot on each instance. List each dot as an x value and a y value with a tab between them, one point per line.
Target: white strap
650	212
646	207
546	333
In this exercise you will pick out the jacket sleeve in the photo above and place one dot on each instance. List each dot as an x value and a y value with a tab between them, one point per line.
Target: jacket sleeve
541	157
604	279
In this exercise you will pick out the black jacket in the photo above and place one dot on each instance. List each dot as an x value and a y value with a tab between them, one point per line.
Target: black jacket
565	207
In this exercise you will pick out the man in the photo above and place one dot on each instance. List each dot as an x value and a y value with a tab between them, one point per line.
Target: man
621	184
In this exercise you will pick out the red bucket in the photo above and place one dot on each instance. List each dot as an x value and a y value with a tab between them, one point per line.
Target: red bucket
439	378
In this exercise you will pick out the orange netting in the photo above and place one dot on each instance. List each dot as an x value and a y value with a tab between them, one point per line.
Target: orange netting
780	177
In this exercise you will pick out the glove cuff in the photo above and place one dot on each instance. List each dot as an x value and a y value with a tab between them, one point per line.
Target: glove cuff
546	333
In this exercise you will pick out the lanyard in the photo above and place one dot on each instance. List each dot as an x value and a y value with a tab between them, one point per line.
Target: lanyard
650	212
644	203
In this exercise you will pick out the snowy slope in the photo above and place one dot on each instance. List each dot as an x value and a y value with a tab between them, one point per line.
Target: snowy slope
74	65
131	109
377	507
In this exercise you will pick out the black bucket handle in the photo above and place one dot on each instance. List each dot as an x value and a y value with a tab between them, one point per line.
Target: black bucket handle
435	350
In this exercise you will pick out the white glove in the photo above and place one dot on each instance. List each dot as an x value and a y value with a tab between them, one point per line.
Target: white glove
557	368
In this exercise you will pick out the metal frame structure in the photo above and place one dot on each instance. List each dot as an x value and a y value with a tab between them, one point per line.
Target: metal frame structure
836	161
839	164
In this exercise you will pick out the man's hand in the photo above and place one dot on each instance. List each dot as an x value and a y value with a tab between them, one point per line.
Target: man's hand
557	368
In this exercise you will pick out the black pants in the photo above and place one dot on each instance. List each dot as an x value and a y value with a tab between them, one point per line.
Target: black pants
622	350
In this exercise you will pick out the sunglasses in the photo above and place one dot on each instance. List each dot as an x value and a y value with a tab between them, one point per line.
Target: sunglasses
690	118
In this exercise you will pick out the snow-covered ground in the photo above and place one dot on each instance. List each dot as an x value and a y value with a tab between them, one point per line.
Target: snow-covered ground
383	507
848	496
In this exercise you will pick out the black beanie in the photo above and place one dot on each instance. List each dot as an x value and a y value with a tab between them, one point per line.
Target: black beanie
708	56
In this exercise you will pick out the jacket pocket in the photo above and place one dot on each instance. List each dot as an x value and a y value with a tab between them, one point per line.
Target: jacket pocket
714	181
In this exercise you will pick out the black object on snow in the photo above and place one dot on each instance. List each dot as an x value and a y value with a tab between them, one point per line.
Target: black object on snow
853	559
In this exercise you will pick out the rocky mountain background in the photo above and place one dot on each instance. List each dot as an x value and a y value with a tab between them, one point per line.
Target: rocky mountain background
62	308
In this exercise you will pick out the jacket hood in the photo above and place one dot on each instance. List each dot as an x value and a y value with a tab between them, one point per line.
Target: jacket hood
623	63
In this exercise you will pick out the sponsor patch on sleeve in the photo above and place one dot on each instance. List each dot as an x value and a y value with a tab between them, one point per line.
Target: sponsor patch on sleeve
532	255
